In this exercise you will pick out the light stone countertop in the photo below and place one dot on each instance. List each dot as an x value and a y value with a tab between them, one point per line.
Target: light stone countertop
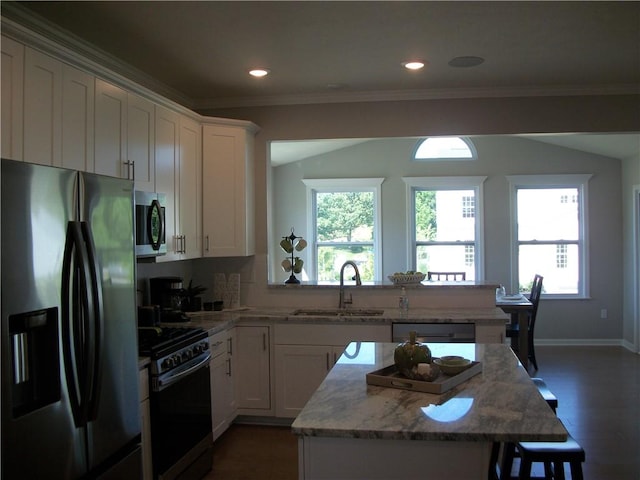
499	404
218	321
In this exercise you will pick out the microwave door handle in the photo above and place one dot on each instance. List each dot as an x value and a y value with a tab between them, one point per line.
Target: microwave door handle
95	322
155	224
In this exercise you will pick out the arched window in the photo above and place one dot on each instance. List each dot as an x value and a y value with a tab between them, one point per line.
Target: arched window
445	148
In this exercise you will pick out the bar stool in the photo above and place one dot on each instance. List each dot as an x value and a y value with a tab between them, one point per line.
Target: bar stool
549	453
510	451
557	453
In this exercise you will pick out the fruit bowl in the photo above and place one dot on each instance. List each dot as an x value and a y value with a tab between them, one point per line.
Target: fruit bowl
452	364
406	278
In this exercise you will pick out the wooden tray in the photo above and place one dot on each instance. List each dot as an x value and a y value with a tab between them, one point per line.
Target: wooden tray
390	377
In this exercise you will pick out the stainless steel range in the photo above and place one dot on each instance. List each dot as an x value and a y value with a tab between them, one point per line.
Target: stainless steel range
180	400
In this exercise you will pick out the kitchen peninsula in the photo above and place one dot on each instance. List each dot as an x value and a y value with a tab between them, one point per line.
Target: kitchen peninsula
352	430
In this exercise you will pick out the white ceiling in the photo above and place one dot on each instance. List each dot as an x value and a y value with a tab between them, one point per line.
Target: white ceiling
199	52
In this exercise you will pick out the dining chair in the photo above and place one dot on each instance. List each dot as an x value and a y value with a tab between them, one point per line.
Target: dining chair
454	276
513	330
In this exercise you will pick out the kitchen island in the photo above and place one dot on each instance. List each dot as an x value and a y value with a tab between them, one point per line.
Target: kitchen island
352	430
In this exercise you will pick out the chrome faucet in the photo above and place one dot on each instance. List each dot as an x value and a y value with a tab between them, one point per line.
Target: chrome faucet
342	302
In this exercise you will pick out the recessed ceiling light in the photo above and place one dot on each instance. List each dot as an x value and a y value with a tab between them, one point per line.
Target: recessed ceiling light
413	65
259	72
466	61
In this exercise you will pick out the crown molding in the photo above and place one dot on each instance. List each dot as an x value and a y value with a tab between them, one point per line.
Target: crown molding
22	25
424	94
38	33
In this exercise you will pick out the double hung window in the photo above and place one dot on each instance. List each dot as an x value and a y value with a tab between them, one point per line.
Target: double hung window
446	224
344	217
549	227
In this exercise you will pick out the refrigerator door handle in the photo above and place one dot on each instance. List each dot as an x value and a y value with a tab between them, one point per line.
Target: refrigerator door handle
97	317
81	322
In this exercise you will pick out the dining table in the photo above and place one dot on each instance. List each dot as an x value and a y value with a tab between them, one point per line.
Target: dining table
519	308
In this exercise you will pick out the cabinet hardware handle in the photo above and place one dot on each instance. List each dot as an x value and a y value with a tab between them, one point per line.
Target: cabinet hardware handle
218	343
206	243
264	342
327	361
230	345
228	367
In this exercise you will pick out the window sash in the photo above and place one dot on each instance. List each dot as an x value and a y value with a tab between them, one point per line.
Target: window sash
337	185
414	184
557	280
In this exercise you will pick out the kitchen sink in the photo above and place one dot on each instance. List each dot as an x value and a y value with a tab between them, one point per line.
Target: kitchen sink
339	312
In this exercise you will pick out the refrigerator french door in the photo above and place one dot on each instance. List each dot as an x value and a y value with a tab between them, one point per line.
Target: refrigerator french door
70	401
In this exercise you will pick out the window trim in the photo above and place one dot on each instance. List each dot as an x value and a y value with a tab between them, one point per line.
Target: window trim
447	183
581	183
334	185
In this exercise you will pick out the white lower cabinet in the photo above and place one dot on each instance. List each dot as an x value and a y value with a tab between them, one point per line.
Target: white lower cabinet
223	400
147	466
253	365
304	354
299	371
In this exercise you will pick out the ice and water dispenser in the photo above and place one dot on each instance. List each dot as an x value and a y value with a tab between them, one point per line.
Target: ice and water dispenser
35	360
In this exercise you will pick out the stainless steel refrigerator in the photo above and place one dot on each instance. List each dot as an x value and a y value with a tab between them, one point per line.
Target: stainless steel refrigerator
70	400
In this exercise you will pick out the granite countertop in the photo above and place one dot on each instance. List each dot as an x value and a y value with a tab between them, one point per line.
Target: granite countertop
499	404
214	321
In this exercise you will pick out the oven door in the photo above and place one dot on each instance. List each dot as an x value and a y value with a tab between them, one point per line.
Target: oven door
150	224
181	437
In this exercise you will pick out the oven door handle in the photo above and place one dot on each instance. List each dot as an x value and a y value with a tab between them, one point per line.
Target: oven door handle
162	383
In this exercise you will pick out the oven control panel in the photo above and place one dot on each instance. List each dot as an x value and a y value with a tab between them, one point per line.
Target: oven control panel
175	359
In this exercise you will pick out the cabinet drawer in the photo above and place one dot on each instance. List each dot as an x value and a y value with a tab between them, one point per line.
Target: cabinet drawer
218	344
144	384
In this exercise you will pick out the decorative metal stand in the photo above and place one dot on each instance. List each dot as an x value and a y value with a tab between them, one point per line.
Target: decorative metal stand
291	244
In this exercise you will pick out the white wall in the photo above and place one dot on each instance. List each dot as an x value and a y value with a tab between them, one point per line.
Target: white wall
498	156
575	320
631	253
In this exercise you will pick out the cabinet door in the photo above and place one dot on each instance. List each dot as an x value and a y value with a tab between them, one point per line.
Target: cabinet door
147	467
12	98
111	130
228	200
299	371
252	365
140	142
218	385
166	156
78	100
42	108
190	188
230	391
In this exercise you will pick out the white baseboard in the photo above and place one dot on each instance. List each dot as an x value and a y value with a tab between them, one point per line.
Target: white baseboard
586	342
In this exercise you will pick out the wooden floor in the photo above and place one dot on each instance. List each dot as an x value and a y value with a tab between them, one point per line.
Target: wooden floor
598	390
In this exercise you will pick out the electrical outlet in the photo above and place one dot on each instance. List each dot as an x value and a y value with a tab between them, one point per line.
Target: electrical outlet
603	313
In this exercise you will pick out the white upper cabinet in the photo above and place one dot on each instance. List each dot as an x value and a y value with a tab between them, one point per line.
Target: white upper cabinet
78	94
58	113
141	142
178	162
228	191
190	187
42	109
125	135
12	98
167	131
111	130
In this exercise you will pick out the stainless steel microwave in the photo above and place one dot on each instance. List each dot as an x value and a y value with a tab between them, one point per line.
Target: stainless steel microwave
150	224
